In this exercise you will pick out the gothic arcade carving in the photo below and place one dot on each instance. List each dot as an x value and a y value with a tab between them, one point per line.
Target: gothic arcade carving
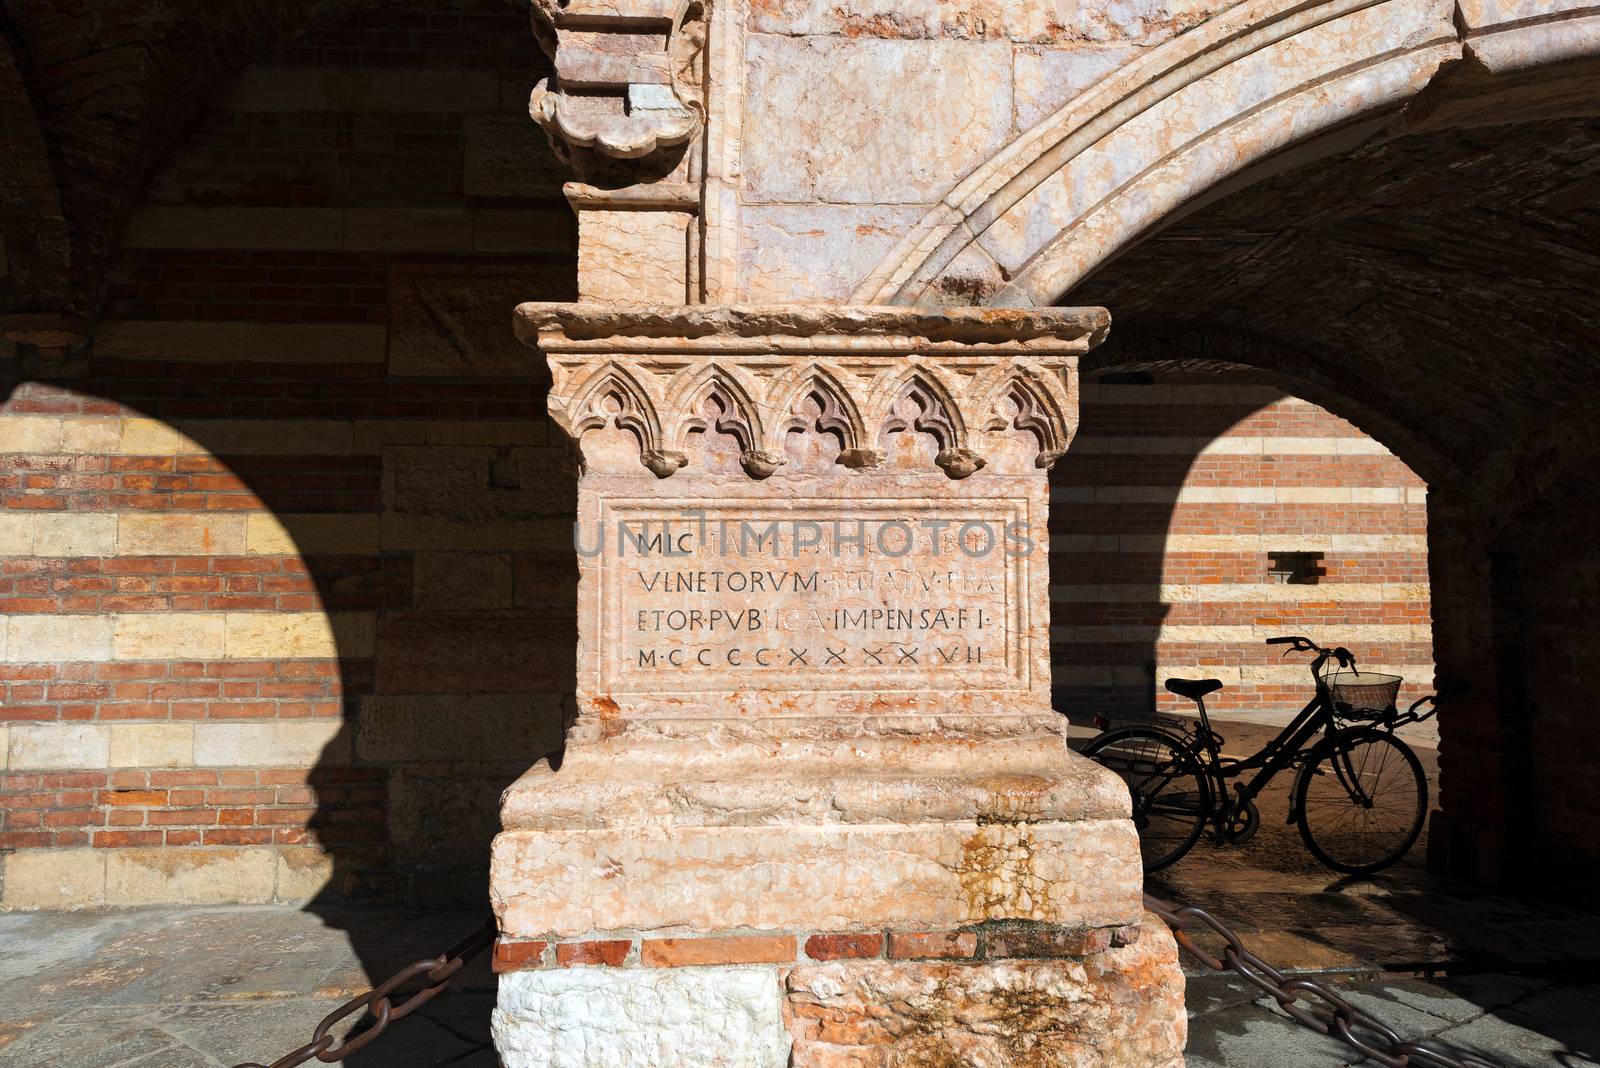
978	385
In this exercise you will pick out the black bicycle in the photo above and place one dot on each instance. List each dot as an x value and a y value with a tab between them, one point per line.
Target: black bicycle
1359	795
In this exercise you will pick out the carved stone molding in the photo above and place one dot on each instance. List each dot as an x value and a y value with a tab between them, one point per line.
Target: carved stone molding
972	379
628	84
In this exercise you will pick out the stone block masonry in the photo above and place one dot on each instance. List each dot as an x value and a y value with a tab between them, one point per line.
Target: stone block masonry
837	740
859	999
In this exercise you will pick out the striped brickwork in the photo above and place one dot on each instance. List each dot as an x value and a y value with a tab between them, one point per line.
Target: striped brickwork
1165	516
280	607
287	592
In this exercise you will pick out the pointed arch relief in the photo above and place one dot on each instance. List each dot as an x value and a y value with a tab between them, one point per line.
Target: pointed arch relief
1030	410
614	398
715	402
921	404
822	425
810	389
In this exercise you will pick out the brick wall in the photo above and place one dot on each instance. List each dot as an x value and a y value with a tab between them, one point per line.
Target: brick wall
1166	515
286	583
282	601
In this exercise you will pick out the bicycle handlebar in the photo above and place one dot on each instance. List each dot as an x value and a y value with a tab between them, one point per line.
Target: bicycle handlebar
1302	644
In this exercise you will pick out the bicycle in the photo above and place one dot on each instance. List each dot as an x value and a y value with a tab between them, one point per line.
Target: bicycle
1359	796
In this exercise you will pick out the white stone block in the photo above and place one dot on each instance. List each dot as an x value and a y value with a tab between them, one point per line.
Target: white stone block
52	639
58	746
152	745
54	879
74	534
641	1018
236	745
16	535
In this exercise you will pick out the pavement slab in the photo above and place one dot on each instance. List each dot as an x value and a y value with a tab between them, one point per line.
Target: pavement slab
1507	978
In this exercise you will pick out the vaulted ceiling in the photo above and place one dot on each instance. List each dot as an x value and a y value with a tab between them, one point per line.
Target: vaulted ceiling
1442	288
109	85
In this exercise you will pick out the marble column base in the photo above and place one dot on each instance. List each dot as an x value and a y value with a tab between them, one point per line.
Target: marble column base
887	898
1121	1008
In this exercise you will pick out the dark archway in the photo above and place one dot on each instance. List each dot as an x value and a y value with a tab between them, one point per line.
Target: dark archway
1446	283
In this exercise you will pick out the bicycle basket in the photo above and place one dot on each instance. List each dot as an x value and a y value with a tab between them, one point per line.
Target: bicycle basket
1363	693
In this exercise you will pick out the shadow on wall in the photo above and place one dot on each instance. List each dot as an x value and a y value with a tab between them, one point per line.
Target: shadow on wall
1196	516
394	559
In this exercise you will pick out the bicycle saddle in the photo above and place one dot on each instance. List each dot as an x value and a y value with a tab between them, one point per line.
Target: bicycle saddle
1194	689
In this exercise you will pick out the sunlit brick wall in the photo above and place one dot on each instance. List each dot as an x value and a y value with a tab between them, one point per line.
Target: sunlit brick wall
284	598
1166	516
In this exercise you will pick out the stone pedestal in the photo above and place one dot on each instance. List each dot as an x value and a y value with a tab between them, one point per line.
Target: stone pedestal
816	808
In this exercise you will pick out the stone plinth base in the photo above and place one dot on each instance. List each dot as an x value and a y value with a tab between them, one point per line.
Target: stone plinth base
816	808
891	895
1121	1006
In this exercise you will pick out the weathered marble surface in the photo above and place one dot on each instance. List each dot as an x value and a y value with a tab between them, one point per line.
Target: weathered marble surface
1118	1007
841	726
665	1018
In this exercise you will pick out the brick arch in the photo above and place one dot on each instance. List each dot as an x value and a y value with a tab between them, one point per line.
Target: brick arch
1265	85
117	83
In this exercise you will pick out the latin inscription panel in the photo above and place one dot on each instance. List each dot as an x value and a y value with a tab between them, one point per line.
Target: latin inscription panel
707	596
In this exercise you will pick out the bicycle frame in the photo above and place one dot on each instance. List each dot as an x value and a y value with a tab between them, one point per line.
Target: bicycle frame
1286	751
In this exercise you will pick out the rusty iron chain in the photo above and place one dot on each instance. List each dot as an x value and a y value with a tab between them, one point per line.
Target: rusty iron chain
437	972
1298	997
1335	1016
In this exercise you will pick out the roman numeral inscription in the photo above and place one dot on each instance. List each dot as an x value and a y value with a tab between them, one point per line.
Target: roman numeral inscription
837	595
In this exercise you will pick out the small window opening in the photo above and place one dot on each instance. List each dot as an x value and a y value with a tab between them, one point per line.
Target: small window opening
1296	569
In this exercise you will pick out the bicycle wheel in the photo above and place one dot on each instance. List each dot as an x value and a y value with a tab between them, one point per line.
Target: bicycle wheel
1360	801
1171	798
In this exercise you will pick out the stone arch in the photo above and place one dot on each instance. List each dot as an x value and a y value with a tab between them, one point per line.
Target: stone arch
1266	85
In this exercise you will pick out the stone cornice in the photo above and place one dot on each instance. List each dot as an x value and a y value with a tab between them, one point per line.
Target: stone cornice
961	375
811	327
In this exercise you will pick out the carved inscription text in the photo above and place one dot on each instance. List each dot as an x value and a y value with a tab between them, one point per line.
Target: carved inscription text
833	596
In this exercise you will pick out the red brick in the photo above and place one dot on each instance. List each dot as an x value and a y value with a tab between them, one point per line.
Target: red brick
611	953
1041	940
142	798
844	946
932	945
235	836
126	839
518	956
183	778
735	949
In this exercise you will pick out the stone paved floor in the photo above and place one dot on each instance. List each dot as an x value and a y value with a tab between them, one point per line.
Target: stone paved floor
184	988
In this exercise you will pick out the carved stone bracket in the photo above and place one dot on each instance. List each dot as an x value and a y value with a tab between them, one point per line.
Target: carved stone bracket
628	82
970	378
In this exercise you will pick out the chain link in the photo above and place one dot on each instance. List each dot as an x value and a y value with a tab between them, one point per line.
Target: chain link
436	972
1313	1004
1309	1002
